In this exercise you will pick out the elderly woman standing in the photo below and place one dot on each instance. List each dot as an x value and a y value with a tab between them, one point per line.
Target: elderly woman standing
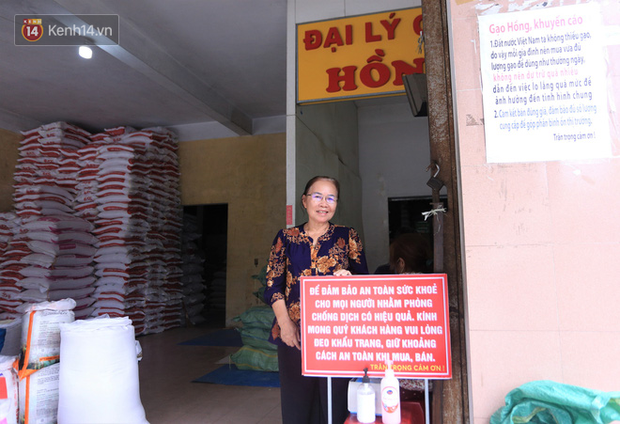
316	247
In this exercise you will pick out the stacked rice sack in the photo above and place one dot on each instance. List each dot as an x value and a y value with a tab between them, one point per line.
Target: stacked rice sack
193	271
97	219
49	256
138	225
87	185
8	224
9	266
60	263
48	157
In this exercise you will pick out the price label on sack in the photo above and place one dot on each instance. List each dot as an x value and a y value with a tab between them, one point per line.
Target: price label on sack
355	322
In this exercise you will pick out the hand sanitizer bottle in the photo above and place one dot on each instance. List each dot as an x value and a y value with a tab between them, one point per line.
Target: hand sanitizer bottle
390	396
366	401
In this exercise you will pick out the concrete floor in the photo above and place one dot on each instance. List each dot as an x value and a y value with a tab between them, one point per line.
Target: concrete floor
169	396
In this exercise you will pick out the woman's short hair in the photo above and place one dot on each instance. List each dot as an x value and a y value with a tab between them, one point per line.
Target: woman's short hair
322	178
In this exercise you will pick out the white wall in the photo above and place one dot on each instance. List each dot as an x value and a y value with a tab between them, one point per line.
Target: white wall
394	154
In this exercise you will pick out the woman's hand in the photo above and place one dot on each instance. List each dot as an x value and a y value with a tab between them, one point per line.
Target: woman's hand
342	272
289	333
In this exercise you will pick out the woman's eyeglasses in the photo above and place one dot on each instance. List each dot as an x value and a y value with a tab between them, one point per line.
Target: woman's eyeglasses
317	197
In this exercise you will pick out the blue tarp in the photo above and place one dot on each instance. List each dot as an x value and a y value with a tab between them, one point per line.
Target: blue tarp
548	402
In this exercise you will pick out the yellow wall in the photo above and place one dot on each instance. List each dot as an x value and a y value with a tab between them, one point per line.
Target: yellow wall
9	142
249	174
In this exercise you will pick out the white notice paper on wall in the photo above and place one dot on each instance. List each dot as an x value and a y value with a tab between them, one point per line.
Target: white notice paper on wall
544	85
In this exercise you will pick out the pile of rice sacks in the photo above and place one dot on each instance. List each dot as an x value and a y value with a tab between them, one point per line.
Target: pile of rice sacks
97	219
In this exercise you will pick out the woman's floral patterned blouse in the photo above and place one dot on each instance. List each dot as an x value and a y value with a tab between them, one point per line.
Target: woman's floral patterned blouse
293	255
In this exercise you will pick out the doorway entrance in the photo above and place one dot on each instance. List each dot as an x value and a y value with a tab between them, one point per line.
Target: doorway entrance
212	225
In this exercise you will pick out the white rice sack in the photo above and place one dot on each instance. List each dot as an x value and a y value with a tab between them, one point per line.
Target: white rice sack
85	197
111	281
8	391
45	189
83	313
44	284
113	272
35	283
115	148
116	154
58	223
59	237
77	294
57	272
76	249
123	178
40	338
99	350
73	260
104	293
113	312
45	205
39	259
115	213
38	396
10	308
12	338
118	258
43	247
58	125
53	249
119	131
33	296
35	213
20	198
65	142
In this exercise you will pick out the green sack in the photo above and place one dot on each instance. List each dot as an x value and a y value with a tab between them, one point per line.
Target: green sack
547	402
257	338
257	316
249	358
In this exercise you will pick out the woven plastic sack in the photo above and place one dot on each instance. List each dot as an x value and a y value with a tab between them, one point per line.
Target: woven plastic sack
257	338
548	402
257	322
99	381
38	396
257	316
8	391
40	336
249	358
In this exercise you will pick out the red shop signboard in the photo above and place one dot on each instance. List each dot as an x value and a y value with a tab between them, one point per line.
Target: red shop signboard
353	322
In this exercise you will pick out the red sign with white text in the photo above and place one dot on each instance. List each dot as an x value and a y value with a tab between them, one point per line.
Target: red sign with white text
355	322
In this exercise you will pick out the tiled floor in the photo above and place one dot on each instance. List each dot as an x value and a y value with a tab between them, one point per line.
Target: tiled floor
169	396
